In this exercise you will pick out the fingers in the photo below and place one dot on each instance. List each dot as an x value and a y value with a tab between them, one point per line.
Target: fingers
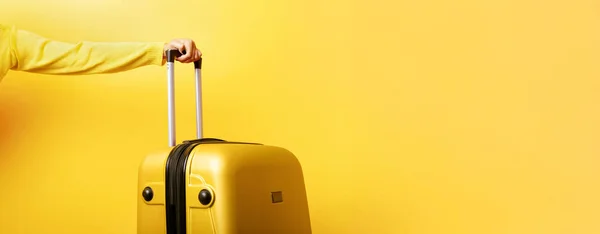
190	49
197	55
191	54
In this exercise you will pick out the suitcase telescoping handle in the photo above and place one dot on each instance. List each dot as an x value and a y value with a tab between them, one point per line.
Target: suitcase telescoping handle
171	55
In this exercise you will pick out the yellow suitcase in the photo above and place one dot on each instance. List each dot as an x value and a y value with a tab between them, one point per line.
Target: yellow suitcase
209	185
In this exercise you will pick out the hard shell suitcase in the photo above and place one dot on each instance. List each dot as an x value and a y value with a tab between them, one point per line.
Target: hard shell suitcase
208	185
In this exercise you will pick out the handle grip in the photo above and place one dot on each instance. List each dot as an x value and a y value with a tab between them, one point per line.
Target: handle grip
171	55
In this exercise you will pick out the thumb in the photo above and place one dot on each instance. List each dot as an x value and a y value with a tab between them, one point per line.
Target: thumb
174	45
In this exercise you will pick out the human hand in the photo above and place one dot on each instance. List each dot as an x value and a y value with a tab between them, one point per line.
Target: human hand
192	53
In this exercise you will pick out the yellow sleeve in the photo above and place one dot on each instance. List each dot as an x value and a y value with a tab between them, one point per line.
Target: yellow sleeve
34	53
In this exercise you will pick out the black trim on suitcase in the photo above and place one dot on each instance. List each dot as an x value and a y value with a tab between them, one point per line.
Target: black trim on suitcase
175	175
170	192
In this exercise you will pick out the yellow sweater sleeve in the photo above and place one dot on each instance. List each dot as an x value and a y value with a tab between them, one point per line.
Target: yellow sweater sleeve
30	52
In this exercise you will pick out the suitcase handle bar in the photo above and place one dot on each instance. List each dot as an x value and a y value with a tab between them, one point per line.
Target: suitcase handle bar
171	55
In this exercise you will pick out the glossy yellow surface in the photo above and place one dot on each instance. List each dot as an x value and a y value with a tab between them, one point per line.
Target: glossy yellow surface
151	215
241	178
408	117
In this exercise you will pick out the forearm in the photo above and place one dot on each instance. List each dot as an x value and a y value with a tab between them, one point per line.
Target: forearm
35	53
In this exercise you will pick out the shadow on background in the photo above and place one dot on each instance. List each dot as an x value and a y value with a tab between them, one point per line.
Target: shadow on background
13	117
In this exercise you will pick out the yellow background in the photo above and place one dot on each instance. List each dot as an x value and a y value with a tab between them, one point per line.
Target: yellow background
418	117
